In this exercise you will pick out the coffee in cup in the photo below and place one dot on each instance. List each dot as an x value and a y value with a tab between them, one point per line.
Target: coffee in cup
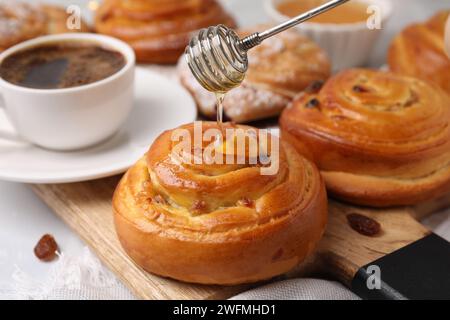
66	91
61	65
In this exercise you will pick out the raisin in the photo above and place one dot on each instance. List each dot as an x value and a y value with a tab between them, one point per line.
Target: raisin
315	86
360	89
46	248
313	103
363	225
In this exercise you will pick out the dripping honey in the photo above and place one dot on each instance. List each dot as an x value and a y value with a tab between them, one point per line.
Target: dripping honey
219	108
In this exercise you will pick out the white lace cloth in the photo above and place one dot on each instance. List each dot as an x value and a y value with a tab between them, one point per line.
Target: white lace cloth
81	277
84	277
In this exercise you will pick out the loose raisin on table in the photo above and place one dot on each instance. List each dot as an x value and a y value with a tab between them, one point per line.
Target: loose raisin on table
363	225
46	248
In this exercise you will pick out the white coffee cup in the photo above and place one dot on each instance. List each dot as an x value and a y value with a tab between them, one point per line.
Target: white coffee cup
69	118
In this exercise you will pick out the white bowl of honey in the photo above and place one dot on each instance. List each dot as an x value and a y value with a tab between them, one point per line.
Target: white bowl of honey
347	33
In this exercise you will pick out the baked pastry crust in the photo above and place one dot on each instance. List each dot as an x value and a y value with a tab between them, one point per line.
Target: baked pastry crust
419	51
158	30
219	224
379	138
21	21
279	68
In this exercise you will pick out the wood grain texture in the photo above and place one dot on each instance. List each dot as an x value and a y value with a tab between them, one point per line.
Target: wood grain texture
343	251
86	208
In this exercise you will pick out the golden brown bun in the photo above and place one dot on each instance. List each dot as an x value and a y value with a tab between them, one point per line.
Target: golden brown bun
158	30
379	139
279	68
21	21
219	224
419	51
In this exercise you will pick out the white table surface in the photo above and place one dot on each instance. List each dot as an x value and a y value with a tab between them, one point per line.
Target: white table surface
24	218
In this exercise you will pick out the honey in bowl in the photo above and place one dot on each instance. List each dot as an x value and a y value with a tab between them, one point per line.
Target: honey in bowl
350	12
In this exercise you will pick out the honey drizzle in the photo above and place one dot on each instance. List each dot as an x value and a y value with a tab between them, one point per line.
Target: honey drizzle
220	97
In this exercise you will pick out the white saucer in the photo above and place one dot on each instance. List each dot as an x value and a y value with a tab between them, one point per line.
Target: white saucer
160	105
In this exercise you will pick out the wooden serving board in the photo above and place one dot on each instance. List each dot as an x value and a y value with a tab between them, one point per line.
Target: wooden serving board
86	208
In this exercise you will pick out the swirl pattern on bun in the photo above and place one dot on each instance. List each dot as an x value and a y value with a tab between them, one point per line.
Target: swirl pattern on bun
379	138
219	223
158	30
419	51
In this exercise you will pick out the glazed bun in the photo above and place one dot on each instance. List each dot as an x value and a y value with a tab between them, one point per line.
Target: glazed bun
419	51
158	30
20	21
378	138
219	223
